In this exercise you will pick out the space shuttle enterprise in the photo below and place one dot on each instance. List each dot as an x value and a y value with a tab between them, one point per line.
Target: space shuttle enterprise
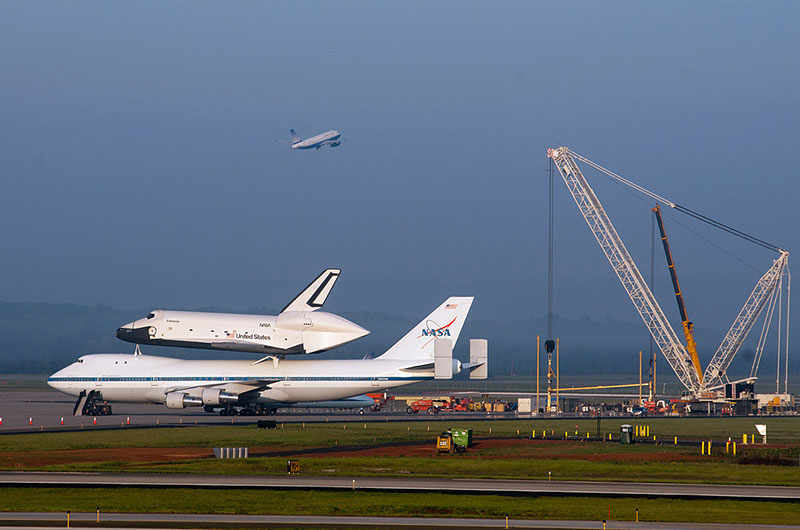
299	328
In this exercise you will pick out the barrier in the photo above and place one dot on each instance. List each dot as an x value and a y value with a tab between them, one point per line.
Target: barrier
231	452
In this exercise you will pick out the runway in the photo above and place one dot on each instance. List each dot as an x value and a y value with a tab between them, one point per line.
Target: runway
30	520
409	484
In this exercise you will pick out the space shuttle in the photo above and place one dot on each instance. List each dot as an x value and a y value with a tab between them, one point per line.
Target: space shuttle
299	328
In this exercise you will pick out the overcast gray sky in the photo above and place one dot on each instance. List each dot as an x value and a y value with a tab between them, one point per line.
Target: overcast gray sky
141	169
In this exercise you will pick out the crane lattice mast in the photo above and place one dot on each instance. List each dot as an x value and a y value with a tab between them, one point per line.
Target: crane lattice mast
681	361
625	268
764	289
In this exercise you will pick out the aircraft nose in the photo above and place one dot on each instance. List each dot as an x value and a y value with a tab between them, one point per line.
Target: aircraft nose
136	335
54	382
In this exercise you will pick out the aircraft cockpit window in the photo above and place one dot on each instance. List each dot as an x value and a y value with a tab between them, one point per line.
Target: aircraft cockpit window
151	315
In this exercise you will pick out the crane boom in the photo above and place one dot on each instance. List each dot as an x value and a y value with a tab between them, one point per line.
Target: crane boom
688	332
625	268
752	309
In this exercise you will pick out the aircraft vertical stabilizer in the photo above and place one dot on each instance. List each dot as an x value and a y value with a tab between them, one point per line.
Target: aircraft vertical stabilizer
444	323
314	296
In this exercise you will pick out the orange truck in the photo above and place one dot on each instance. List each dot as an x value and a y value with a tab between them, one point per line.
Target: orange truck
427	405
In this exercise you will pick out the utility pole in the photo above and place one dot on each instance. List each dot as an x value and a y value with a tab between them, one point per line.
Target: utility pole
549	379
558	377
537	374
640	378
654	378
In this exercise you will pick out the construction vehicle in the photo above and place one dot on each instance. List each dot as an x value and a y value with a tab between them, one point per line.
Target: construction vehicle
708	385
427	405
454	441
444	443
655	407
380	401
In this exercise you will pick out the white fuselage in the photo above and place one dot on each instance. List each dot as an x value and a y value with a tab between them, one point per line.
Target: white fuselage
288	333
315	142
148	379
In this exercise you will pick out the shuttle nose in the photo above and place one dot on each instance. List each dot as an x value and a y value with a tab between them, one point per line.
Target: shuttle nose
129	333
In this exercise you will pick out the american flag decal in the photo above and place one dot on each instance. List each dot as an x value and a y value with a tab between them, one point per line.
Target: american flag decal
451	306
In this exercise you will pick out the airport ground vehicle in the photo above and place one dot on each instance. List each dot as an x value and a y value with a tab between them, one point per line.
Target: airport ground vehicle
91	404
427	405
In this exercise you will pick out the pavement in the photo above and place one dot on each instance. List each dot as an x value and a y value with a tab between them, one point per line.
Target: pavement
36	411
29	520
414	484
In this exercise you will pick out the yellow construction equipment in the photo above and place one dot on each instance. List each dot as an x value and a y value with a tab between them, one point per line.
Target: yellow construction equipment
688	332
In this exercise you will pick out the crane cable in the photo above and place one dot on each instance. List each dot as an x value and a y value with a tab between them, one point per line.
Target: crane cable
678	207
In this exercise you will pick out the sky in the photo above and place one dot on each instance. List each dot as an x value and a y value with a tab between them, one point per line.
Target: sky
141	164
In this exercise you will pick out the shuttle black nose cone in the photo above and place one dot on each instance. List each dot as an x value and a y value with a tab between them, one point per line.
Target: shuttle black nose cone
137	336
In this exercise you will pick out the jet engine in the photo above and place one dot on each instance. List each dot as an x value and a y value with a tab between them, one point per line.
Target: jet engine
179	400
215	396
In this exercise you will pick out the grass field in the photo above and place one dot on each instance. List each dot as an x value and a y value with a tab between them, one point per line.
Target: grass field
711	472
503	450
565	460
277	502
782	430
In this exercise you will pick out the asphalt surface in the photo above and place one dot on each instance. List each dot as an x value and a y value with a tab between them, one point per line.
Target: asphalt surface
30	520
460	485
36	411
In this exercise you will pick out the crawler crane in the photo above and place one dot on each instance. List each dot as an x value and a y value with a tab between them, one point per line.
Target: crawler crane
701	385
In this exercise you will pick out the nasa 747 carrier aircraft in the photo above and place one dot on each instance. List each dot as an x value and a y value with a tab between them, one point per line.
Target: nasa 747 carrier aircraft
330	138
421	354
300	328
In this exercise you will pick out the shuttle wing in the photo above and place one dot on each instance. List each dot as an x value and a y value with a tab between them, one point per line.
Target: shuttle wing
313	296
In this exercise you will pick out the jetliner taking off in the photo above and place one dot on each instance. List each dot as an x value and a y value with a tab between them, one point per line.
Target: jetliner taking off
423	353
330	138
300	328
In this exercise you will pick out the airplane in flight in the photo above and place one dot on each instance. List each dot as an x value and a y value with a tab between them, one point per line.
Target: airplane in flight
425	352
299	328
330	138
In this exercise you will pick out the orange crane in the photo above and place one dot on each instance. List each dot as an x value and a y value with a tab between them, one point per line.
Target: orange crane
688	326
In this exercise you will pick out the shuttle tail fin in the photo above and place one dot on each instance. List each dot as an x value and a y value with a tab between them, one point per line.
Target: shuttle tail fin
445	322
313	296
294	136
